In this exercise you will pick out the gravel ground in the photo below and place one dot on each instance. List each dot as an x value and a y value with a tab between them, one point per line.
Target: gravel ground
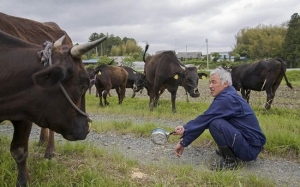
281	171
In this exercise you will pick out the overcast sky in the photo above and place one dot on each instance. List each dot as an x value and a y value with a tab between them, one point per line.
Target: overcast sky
181	25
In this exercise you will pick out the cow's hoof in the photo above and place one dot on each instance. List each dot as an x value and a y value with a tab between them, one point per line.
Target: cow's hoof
49	155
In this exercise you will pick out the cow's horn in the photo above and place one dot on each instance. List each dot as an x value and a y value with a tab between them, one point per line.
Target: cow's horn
59	41
80	49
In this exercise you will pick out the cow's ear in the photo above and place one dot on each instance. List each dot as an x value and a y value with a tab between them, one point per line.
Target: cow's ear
49	77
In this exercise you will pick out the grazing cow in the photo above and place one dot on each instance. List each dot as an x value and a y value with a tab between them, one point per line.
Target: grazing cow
260	76
110	77
164	70
38	33
49	89
132	77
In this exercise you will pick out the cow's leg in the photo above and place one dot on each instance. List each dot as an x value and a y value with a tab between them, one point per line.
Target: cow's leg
270	97
47	135
187	96
271	90
105	92
99	91
100	98
151	96
156	95
19	149
173	98
118	90
49	153
122	93
247	95
243	92
43	136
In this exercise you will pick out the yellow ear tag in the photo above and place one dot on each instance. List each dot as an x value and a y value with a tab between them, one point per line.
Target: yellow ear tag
99	73
176	76
203	77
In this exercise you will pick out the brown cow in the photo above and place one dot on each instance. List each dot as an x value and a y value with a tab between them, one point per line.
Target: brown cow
260	76
51	94
38	33
164	70
110	77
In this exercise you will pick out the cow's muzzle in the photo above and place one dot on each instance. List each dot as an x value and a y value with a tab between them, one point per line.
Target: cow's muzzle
195	93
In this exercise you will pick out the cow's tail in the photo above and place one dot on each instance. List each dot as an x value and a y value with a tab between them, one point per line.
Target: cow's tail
146	49
283	69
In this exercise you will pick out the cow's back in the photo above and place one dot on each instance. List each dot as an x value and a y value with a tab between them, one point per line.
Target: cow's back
130	72
164	64
32	31
111	75
254	76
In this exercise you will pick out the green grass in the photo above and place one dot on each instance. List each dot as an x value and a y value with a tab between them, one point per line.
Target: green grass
87	165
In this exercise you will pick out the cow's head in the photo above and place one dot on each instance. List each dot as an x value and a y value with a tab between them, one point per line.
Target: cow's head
67	71
190	81
139	82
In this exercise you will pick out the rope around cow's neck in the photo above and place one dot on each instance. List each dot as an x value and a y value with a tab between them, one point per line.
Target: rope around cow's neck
45	56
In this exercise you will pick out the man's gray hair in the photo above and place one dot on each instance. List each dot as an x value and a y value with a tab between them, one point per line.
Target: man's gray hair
224	75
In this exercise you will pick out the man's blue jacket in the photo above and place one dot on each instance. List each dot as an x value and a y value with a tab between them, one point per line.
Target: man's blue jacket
231	107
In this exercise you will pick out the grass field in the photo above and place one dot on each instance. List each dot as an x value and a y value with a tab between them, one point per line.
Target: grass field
85	165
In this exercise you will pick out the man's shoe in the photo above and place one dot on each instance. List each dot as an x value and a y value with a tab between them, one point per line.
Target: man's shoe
227	164
218	152
229	161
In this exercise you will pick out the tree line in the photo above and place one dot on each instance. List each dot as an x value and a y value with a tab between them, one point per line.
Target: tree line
265	42
260	42
115	46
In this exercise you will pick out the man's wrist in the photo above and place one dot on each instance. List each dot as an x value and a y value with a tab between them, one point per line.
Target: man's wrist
182	143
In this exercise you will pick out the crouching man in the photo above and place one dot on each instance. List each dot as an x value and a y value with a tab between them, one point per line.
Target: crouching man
231	122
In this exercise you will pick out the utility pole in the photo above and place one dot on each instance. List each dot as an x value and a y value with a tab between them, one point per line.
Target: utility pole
186	54
207	53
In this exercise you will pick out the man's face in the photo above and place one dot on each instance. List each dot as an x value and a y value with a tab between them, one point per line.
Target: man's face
215	85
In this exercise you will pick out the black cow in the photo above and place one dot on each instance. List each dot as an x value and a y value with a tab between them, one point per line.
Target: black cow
91	73
133	77
57	86
164	71
260	76
110	77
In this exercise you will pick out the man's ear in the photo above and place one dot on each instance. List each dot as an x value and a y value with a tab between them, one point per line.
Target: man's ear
225	85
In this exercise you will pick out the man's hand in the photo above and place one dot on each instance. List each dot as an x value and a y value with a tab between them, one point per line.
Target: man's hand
179	150
179	130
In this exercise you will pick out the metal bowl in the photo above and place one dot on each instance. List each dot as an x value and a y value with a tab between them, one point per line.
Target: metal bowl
159	136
